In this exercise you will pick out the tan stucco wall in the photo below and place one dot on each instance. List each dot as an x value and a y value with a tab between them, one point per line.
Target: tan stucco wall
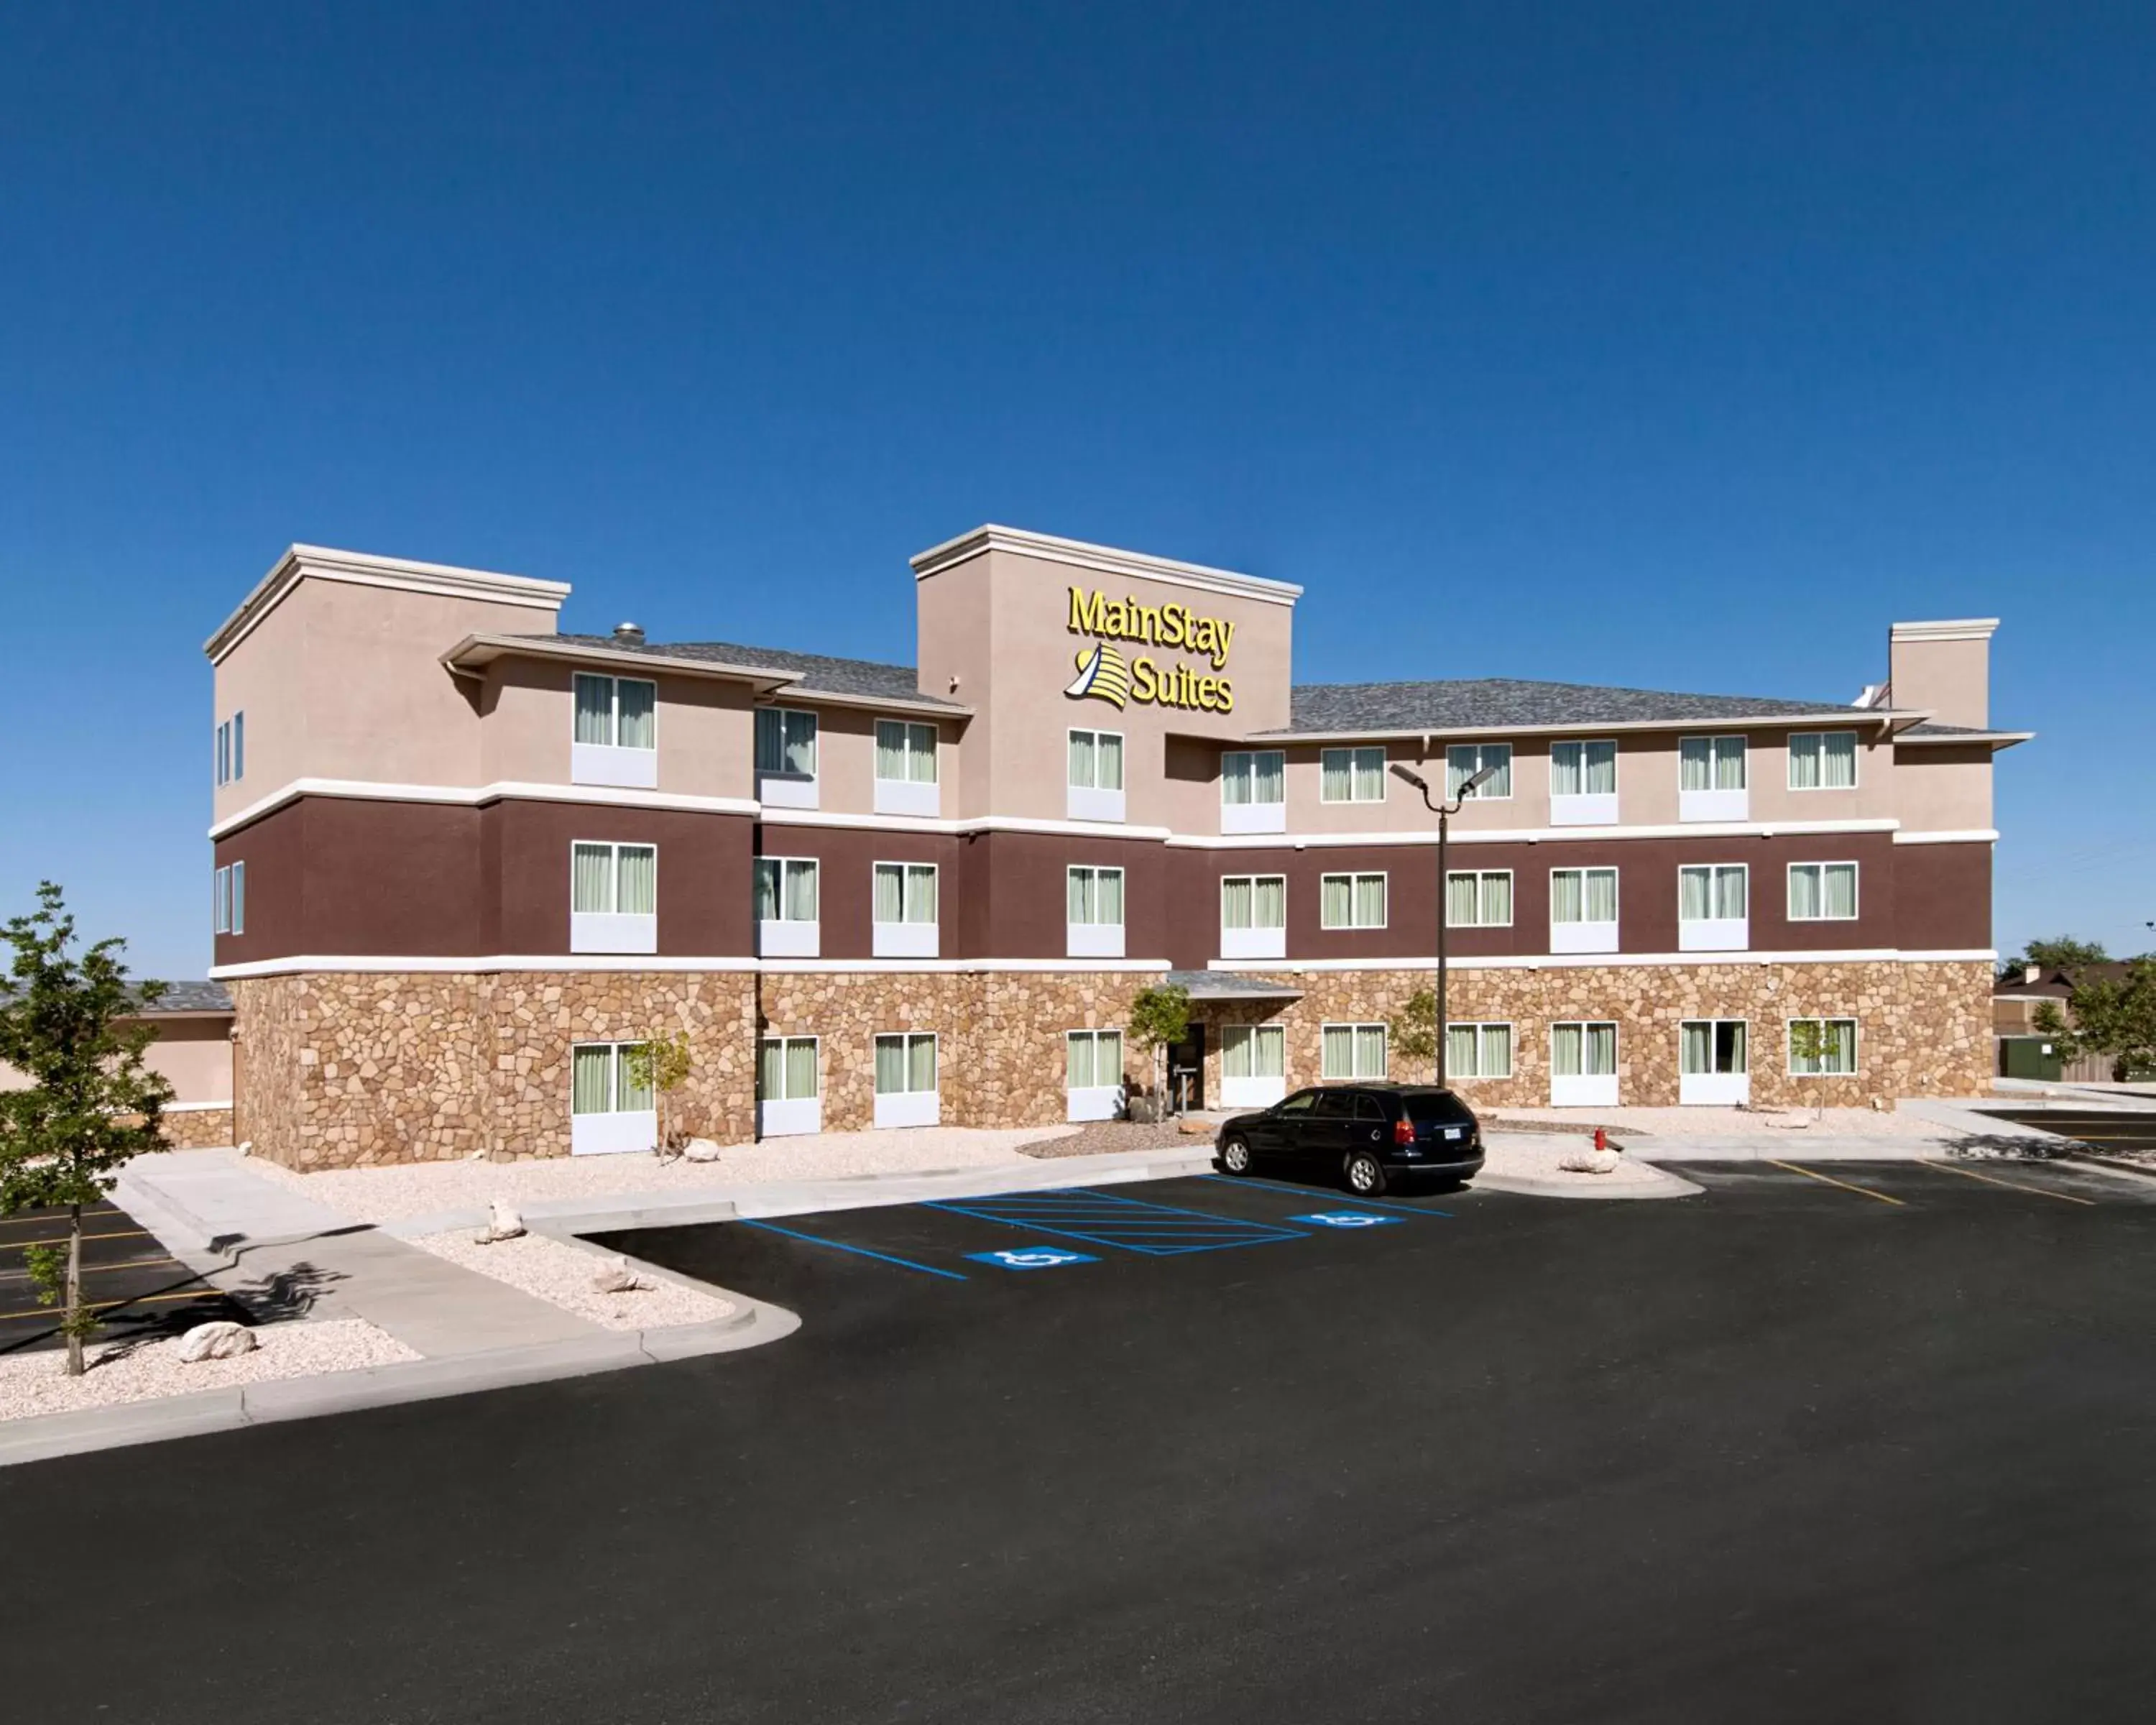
194	1055
1951	679
706	736
1943	790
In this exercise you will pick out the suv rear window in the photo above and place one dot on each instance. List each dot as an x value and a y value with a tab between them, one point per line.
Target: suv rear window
1435	1107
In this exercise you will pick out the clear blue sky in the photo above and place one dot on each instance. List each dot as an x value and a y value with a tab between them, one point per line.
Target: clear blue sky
1680	346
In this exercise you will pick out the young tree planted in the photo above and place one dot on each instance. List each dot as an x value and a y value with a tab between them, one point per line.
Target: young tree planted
68	1024
661	1066
1160	1018
1414	1029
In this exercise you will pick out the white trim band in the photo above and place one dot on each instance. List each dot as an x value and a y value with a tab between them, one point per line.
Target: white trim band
369	790
1608	960
1101	560
1532	836
1974	835
371	964
194	1107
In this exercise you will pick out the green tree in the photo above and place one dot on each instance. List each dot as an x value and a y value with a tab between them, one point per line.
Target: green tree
2114	1018
1812	1044
2060	953
67	1023
1160	1017
1414	1029
661	1066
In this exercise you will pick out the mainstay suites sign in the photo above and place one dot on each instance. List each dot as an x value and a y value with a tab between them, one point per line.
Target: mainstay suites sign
1105	674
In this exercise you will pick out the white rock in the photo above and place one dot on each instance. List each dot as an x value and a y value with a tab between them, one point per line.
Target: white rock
503	1222
616	1277
700	1150
1589	1162
222	1340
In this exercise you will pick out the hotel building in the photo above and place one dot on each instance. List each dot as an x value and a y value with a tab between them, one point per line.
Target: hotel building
464	860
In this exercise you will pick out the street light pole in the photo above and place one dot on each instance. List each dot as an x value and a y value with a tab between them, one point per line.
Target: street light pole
1444	811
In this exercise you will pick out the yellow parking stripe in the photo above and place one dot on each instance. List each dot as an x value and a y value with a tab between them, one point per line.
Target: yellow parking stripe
1829	1179
90	1270
107	1305
1948	1167
11	1245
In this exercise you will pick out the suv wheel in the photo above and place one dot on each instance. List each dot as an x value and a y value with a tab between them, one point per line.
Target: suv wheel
1366	1174
1235	1155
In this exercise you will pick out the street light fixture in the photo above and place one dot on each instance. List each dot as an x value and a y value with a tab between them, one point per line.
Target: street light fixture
1444	812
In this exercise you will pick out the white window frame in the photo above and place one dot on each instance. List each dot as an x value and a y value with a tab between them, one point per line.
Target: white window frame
1855	760
1856	1043
784	936
908	1108
905	938
1355	753
615	1131
1714	1090
1096	801
1254	941
1856	890
789	1117
781	787
1354	878
220	900
239	722
1586	1090
1256	1090
1586	808
1714	934
1355	1052
1093	1101
1714	802
1096	939
909	795
626	765
614	931
221	753
1483	1028
1253	817
237	898
1479	876
1586	936
1480	752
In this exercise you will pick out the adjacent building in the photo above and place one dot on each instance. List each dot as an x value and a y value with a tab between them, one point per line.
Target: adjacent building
465	860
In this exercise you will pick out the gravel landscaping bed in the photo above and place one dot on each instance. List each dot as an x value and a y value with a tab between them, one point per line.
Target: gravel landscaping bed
424	1189
561	1274
121	1372
1102	1137
1723	1122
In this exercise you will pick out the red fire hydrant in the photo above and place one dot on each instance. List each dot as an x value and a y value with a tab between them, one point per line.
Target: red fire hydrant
1601	1139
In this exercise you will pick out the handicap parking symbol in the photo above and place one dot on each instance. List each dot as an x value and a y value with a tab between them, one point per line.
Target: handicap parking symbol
1032	1258
1345	1219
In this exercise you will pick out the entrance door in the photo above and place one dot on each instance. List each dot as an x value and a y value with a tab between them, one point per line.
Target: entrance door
1186	1068
1713	1063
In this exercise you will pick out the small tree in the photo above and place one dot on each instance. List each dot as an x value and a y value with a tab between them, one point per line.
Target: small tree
1414	1030
661	1066
2114	1018
1160	1016
91	1105
1811	1046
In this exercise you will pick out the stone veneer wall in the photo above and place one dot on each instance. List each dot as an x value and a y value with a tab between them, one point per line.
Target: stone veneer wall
343	1070
195	1128
1923	1028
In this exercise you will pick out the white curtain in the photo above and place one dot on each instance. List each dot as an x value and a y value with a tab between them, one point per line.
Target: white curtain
1082	893
1110	910
1369	901
1269	909
1694	888
1269	773
1078	1059
1729	763
1339	1051
800	1068
1568	896
591	878
1237	777
1841	1044
1460	1051
639	727
1235	1044
1566	1042
770	739
1338	909
889	1065
1838	760
1601	1050
1803	891
1107	1057
889	893
921	892
1840	896
594	709
921	768
1464	760
1695	1047
921	1063
1599	768
1498	898
1496	1052
1601	894
1369	775
1269	1052
1109	756
801	742
1733	1036
801	891
891	750
1696	763
1462	902
767	890
1729	892
1369	1051
591	1078
1082	759
771	1071
637	874
631	1097
1337	770
1237	894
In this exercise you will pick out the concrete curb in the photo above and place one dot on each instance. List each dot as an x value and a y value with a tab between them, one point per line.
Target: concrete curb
1620	1184
53	1434
2112	1164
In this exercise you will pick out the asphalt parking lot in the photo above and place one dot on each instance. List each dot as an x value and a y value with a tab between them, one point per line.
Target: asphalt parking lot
2114	1131
138	1288
1858	1441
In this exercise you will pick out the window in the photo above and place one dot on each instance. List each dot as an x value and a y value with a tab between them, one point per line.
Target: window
786	1070
603	1079
617	712
1096	760
785	889
1093	1060
1822	760
1479	898
239	745
1351	900
1354	1051
905	1065
1248	776
240	898
1710	892
1254	901
1253	1051
1822	892
1710	763
1096	896
1711	1048
1583	1065
785	742
1351	775
231	751
1464	760
1822	1048
1478	1051
906	753
229	900
614	879
905	892
1582	895
1582	769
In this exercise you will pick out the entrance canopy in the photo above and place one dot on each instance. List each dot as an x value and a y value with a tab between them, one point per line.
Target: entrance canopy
1226	985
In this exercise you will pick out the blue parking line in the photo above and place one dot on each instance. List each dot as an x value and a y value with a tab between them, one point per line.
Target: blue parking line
1311	1192
1130	1225
838	1246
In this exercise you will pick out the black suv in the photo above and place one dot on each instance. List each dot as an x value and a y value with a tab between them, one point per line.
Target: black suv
1373	1135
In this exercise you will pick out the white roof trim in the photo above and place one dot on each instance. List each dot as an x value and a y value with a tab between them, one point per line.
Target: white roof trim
362	569
1101	560
1528	835
1972	835
1839	718
374	964
1609	961
1956	628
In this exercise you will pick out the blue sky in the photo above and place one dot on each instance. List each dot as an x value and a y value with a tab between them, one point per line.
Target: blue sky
1684	346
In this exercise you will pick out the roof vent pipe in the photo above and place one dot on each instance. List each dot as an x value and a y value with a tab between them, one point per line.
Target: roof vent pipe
628	635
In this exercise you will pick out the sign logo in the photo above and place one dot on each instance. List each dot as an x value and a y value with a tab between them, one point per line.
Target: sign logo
1103	674
1346	1219
1032	1258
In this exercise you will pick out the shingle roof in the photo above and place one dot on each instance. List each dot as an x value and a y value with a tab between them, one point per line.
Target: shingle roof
195	996
817	671
1511	704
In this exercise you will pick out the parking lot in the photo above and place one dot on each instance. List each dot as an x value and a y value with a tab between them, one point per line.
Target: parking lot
2117	1132
1824	1441
137	1287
